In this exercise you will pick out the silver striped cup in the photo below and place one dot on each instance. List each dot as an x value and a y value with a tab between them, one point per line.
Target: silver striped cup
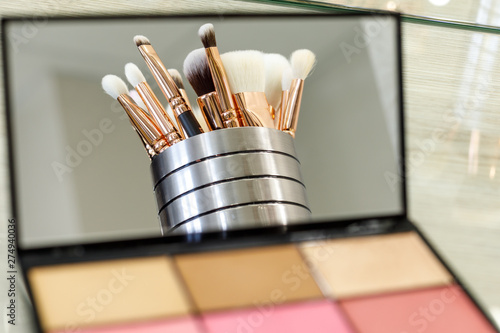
229	179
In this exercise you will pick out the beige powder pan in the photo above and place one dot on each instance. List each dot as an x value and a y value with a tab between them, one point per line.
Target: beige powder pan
361	266
72	296
247	277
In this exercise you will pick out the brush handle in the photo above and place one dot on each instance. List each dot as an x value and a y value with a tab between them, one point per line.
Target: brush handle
158	113
144	125
219	77
230	119
291	112
189	123
210	108
254	108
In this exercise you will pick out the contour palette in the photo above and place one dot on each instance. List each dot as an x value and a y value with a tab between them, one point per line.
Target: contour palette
366	284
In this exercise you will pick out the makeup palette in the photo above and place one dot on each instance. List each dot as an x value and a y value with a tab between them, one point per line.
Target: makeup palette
358	266
360	284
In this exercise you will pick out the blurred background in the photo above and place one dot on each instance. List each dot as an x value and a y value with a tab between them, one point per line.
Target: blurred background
451	91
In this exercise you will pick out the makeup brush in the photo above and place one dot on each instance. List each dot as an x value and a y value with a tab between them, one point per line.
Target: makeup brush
181	109
246	76
229	114
157	111
275	64
302	62
137	100
198	74
144	125
176	76
286	81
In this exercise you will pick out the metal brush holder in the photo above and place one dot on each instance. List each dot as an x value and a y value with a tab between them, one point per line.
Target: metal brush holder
229	179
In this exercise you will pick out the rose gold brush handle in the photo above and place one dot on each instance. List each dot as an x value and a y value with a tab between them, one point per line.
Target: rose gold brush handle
159	113
279	116
210	108
144	124
255	106
229	114
180	108
291	114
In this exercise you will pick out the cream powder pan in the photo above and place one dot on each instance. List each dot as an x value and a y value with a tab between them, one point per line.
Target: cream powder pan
361	266
80	295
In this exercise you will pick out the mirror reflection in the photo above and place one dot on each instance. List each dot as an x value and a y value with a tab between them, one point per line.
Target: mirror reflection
82	175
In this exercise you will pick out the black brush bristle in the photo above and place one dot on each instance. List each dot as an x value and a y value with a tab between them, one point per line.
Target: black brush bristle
207	35
197	72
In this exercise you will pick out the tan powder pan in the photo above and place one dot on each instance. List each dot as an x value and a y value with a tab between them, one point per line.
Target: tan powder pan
362	266
247	277
74	296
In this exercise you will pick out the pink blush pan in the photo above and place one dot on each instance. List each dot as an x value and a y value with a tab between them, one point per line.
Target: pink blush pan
436	310
315	316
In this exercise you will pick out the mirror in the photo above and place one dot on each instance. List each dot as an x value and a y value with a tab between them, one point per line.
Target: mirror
81	174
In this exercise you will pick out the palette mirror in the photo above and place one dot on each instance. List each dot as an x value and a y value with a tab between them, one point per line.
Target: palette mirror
79	173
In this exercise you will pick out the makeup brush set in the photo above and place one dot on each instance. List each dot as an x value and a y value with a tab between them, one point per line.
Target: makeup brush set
248	172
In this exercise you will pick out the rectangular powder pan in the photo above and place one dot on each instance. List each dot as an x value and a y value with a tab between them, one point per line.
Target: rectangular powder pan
246	277
362	266
90	294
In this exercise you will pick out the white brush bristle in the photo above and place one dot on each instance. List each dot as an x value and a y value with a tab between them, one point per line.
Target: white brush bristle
302	62
141	40
174	72
137	99
245	71
207	28
275	65
286	79
114	86
134	74
207	35
194	60
176	76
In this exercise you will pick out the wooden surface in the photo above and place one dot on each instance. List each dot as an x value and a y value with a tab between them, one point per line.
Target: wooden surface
453	138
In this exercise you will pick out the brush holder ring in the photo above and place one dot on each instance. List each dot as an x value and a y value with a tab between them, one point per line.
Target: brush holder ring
229	179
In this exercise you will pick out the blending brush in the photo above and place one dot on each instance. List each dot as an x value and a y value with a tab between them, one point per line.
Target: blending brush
181	109
144	125
229	114
198	74
157	111
275	64
246	76
176	76
302	62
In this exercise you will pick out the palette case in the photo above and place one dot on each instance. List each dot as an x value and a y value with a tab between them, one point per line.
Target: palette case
271	279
